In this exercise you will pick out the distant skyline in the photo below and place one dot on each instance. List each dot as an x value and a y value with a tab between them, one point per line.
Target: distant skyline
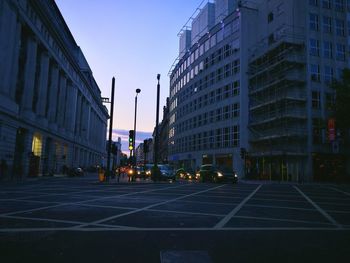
133	41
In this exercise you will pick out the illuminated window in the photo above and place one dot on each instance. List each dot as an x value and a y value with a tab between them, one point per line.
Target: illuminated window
37	144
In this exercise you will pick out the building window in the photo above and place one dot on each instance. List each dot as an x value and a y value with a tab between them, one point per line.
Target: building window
236	86
314	47
218	138
37	144
236	66
226	135
326	4
226	92
327	24
339	5
235	110
328	74
227	70
316	99
226	112
340	52
270	17
219	75
317	125
235	135
313	2
315	72
313	22
327	49
339	27
330	101
227	51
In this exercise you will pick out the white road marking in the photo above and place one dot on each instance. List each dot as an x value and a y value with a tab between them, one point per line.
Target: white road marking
281	220
148	207
280	207
319	209
62	221
82	202
185	212
279	200
96	229
235	210
340	191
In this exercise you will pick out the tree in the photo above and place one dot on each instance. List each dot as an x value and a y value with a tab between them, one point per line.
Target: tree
342	104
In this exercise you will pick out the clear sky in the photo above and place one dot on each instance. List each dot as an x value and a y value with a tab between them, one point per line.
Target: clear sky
133	40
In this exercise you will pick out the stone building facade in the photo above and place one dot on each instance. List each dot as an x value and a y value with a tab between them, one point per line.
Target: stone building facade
51	114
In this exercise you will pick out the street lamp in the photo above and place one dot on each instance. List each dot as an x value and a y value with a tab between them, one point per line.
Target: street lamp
156	139
134	155
106	100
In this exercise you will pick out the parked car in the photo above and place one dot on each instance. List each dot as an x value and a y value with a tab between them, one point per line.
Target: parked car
166	172
76	171
212	173
187	174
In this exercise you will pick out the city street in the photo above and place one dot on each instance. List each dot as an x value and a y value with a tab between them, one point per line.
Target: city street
79	219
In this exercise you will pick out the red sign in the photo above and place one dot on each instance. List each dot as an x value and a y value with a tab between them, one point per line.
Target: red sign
331	129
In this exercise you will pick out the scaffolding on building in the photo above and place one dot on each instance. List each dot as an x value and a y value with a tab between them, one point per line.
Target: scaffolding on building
278	102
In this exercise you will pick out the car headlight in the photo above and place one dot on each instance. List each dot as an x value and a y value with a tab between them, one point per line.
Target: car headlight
220	174
148	172
190	177
138	172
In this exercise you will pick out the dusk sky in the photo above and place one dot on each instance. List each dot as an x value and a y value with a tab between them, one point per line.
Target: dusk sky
133	40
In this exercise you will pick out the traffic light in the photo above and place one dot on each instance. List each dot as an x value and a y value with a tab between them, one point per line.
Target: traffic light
131	140
243	152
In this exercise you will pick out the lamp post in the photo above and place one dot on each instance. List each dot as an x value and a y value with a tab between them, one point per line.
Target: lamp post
134	155
106	100
157	120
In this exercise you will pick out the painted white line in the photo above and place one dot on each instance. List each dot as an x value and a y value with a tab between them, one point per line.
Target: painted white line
281	207
223	222
340	191
44	219
184	212
63	221
210	203
279	200
69	229
84	201
282	220
147	207
319	209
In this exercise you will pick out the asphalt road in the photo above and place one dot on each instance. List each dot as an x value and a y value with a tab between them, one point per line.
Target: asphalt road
81	220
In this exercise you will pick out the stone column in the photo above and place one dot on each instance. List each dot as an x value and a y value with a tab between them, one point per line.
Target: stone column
8	46
43	82
77	116
71	107
62	101
88	117
29	79
53	89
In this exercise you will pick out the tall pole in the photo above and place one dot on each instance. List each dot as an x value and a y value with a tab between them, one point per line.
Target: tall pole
110	133
157	121
133	147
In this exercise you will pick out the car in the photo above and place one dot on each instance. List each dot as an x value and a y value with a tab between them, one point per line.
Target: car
166	172
187	174
76	171
212	173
